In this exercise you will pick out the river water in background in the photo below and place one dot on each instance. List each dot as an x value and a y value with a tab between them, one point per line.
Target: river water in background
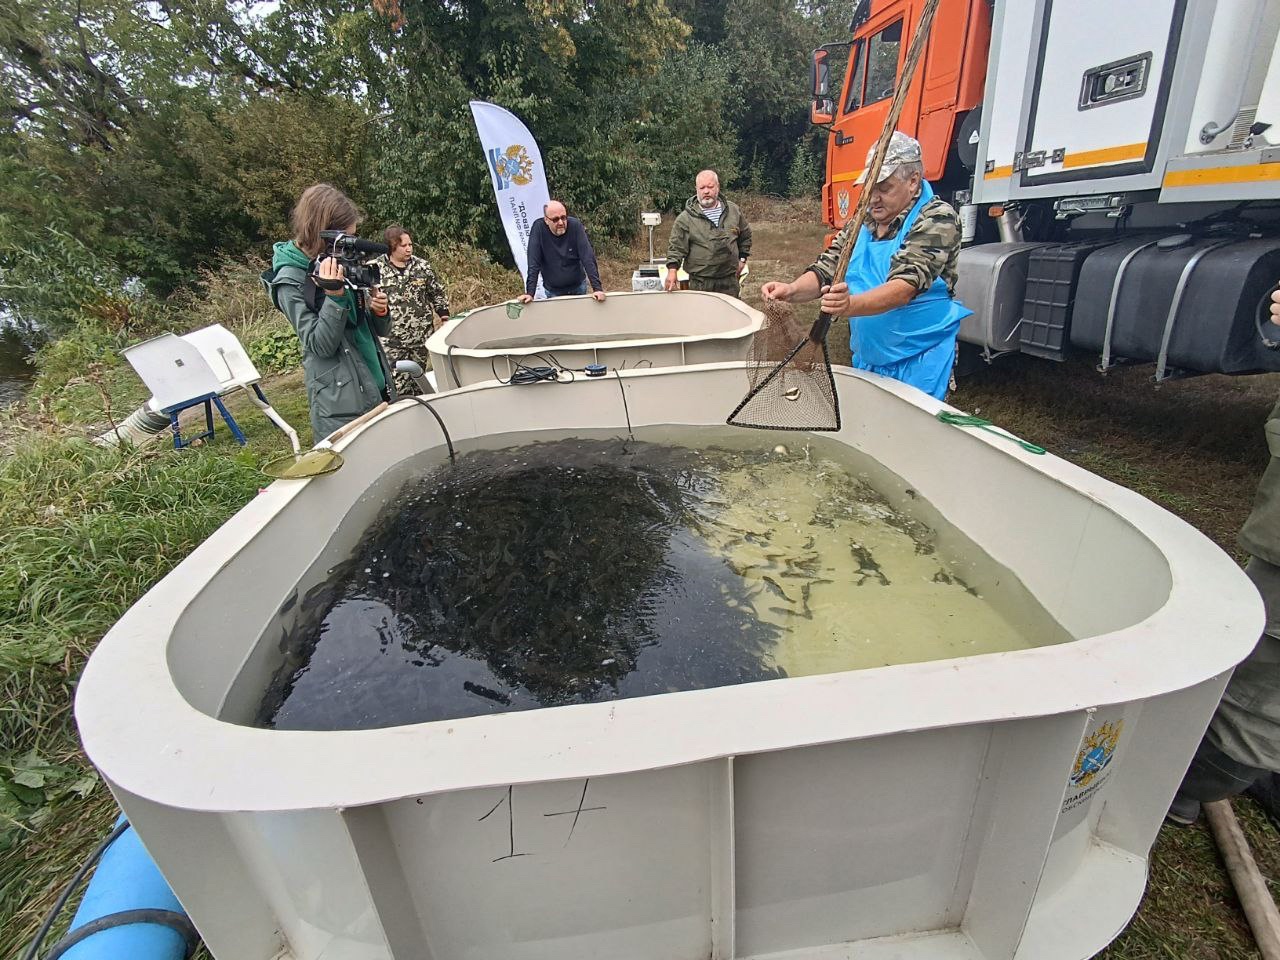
15	373
576	571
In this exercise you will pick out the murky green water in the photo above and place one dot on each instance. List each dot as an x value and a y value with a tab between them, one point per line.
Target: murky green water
16	373
579	570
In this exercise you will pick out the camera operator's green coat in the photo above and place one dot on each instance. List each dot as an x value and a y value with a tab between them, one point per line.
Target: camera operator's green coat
340	384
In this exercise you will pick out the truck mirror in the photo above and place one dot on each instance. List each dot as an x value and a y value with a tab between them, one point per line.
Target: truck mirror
822	111
820	73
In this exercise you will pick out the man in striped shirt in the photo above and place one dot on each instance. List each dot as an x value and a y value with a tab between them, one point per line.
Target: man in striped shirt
711	237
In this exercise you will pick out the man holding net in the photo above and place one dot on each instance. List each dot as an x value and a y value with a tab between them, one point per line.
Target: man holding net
898	291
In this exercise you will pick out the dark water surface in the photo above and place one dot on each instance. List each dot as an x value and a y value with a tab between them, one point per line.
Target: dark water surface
15	373
542	575
575	571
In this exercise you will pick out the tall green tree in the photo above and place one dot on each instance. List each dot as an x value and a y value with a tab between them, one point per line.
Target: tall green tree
175	131
767	44
61	82
50	265
146	138
706	18
601	85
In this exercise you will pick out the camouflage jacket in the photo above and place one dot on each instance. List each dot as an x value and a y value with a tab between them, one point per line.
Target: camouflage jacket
930	250
414	291
707	250
415	294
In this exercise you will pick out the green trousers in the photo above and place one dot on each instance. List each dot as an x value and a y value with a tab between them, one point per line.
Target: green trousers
1246	726
726	285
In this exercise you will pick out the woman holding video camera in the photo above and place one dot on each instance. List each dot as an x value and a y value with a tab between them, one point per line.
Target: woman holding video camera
347	372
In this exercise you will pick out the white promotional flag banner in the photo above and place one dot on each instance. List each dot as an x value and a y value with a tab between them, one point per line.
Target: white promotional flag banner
519	180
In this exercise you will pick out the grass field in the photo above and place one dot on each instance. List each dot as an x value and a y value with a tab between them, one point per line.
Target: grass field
84	531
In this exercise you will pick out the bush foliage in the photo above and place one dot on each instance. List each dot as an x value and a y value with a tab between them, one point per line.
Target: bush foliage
141	146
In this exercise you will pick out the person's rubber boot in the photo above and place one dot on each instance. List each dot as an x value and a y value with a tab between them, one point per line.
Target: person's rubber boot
1266	792
1183	812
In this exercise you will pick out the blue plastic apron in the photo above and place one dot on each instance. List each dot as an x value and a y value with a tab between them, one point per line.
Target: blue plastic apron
914	343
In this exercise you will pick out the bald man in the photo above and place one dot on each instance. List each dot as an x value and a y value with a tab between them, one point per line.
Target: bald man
711	238
561	254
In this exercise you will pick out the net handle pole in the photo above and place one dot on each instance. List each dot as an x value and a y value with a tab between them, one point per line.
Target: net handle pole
882	145
346	428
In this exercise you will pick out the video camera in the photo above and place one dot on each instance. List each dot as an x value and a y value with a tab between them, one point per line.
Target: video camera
351	252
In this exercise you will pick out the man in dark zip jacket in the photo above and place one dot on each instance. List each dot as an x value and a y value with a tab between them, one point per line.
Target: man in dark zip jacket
711	238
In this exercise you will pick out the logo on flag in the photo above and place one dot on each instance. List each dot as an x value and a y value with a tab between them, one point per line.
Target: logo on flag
511	165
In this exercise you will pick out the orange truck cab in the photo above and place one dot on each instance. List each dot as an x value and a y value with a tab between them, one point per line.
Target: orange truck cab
1115	168
947	89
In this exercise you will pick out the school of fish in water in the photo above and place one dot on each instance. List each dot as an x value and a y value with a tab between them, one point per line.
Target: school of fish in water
575	571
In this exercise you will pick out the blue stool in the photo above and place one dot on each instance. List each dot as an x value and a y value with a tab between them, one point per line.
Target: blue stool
209	400
199	369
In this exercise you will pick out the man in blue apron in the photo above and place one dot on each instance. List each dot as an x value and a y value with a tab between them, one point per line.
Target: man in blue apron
898	291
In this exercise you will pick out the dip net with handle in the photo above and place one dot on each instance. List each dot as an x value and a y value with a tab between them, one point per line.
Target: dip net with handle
790	384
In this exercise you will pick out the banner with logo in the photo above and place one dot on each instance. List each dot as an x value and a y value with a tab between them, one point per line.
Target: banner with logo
519	180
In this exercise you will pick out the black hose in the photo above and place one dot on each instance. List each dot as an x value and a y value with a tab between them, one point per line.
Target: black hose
47	925
180	923
443	429
625	409
453	372
523	374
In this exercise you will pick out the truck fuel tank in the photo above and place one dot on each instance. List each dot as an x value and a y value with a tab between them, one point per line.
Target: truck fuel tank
1184	302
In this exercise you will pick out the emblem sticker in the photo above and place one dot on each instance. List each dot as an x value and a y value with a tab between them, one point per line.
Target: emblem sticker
1093	761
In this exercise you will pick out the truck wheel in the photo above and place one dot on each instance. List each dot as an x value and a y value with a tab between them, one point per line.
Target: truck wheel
968	360
966	146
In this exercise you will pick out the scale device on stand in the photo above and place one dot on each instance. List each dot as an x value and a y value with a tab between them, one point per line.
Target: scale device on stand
648	277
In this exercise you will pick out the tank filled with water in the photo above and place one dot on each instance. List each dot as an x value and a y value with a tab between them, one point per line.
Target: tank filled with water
573	571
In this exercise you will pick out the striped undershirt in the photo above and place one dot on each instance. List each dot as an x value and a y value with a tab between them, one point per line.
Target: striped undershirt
714	214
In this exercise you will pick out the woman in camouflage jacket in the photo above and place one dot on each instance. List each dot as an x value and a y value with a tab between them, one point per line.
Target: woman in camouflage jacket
415	294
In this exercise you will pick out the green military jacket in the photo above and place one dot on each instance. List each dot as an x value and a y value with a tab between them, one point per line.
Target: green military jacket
340	385
414	291
1260	535
931	248
706	250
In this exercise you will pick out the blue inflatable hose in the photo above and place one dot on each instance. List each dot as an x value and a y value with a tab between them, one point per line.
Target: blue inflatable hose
128	909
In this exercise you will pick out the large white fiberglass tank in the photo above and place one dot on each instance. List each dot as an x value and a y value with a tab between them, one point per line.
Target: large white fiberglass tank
626	331
987	807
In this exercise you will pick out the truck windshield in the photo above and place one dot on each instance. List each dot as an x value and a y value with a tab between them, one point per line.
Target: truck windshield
854	98
882	62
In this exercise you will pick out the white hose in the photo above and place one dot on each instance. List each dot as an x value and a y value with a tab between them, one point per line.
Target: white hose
138	428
